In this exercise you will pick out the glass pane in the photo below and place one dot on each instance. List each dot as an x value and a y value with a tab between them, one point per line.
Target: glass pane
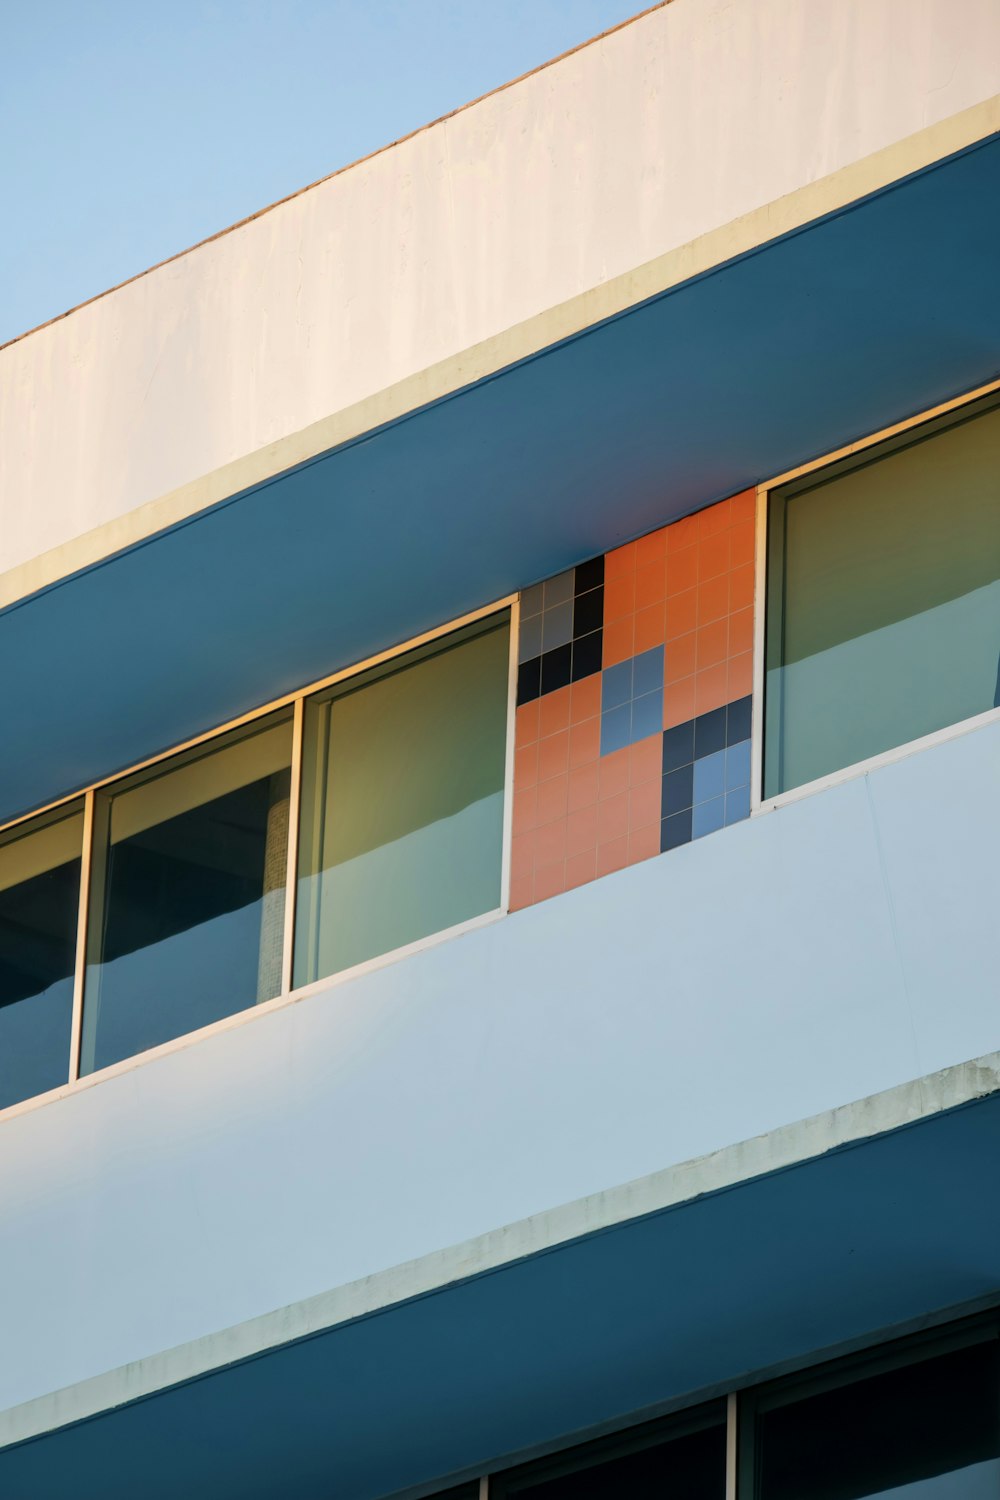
39	904
883	601
188	893
928	1431
679	1465
402	801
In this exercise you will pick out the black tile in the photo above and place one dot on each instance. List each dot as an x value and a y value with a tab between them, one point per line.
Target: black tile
675	831
678	746
587	655
738	721
590	575
588	612
529	680
678	791
709	733
556	668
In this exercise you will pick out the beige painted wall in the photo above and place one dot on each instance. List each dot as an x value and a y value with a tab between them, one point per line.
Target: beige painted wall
675	125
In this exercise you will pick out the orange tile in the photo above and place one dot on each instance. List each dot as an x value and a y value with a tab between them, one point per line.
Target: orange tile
644	804
711	688
744	506
713	599
583	786
522	851
550	880
619	597
619	562
713	643
651	548
741	587
552	798
643	843
650	585
525	815
550	843
741	544
650	627
612	856
682	533
713	556
741	675
645	760
584	742
612	773
682	613
581	868
553	712
678	702
526	765
618	638
585	698
715	518
682	570
612	818
740	631
526	723
553	755
521	888
581	830
680	657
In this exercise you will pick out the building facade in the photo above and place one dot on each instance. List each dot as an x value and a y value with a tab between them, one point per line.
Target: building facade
500	799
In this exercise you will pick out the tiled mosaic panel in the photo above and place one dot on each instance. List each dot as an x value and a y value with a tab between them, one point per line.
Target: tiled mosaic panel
633	718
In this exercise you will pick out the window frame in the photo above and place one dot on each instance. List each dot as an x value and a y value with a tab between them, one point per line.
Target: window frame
296	700
907	433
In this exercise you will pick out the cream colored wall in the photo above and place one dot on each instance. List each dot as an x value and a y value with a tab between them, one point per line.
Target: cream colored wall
682	122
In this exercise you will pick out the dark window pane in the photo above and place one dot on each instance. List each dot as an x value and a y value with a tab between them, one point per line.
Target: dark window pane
883	612
39	902
682	1462
927	1431
188	896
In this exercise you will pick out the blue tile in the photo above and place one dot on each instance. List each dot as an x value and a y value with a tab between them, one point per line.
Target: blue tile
677	791
710	733
531	601
529	638
709	777
738	721
738	766
616	729
707	817
737	805
616	687
647	715
675	831
678	746
647	672
557	625
560	588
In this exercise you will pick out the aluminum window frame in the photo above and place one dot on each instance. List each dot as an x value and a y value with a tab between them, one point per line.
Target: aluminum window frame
296	700
986	395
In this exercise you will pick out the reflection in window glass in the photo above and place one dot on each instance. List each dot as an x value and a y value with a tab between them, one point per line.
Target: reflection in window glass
402	800
683	1460
927	1431
883	618
39	901
188	893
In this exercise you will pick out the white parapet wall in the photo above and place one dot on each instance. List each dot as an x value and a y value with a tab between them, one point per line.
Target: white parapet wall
691	133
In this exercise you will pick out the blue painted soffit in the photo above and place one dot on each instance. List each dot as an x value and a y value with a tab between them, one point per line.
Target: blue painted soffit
846	1246
856	321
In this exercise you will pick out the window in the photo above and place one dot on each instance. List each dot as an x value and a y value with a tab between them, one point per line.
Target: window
187	894
883	599
926	1429
39	902
402	800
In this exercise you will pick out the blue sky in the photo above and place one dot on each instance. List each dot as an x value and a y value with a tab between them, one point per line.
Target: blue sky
132	130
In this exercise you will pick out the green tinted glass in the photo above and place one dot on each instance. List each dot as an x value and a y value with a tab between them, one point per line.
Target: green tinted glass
883	612
402	800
